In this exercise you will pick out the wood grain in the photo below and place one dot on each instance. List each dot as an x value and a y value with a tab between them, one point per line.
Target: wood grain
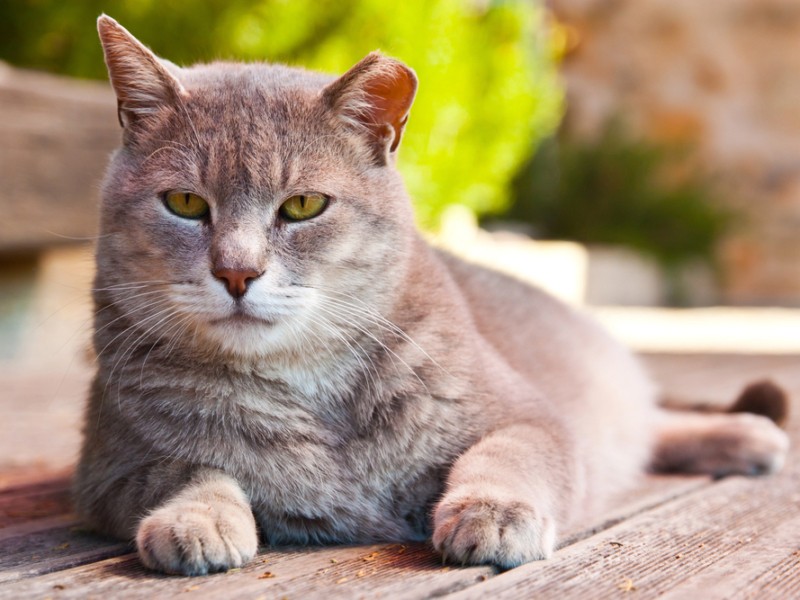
21	504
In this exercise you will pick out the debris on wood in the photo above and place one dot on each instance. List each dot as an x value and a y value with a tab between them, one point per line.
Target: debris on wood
267	575
627	585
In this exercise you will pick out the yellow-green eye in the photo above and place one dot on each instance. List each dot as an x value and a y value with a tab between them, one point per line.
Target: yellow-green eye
186	205
300	208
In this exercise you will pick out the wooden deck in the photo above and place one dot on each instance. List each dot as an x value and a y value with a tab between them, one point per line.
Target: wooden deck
675	537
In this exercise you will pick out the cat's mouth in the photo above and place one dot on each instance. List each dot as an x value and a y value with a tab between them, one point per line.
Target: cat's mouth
242	319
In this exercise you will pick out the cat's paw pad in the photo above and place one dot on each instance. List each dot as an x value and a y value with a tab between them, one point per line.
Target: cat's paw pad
750	445
484	530
194	538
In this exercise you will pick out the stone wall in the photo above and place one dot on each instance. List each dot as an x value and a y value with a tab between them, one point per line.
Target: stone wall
723	76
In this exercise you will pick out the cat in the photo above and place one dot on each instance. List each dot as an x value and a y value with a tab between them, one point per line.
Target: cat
279	350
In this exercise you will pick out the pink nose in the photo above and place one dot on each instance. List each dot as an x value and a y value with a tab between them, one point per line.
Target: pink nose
236	280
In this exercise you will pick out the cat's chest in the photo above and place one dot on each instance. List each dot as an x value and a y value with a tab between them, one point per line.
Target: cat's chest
357	479
353	493
312	475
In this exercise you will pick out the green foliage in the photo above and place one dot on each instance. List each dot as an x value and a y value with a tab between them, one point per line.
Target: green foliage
487	82
618	191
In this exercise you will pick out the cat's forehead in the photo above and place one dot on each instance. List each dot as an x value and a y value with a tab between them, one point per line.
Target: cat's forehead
251	85
259	108
255	124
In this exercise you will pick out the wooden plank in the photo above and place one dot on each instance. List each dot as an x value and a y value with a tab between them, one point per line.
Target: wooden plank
44	499
653	491
768	566
51	545
41	433
38	533
339	571
57	134
412	570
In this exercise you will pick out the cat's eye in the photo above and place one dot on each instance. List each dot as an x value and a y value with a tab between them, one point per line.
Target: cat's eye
186	205
300	208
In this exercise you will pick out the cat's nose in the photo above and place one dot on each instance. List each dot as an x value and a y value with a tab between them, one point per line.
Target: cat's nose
236	280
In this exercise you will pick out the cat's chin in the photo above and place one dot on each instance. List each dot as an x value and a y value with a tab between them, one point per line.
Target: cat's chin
245	335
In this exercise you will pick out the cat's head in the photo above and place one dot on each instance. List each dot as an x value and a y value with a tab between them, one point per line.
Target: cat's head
252	205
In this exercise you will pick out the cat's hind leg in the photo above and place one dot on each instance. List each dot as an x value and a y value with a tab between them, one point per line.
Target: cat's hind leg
745	441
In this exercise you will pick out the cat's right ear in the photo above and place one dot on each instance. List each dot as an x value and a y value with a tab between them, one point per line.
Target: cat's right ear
141	82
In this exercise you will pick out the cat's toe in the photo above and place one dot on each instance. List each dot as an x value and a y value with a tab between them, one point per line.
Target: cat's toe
484	530
195	538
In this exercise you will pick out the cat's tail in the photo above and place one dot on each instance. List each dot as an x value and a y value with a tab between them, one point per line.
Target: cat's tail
743	439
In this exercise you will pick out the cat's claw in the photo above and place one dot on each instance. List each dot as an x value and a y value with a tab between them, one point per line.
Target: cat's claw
484	530
195	538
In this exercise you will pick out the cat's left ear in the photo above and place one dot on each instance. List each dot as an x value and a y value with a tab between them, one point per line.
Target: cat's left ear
374	98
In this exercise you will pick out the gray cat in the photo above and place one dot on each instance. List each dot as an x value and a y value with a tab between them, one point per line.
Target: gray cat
280	351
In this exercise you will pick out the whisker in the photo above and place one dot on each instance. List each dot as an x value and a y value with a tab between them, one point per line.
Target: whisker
132	329
131	326
128	352
179	327
377	319
87	238
368	333
346	339
122	316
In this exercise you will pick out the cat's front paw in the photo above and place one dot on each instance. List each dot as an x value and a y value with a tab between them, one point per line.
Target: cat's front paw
479	529
195	538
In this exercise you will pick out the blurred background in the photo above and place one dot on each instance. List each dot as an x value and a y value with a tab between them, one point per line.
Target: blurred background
640	158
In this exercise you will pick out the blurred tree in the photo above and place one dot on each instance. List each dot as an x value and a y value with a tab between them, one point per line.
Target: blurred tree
488	87
622	191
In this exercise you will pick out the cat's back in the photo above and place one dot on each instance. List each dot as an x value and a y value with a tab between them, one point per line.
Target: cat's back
528	326
596	383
